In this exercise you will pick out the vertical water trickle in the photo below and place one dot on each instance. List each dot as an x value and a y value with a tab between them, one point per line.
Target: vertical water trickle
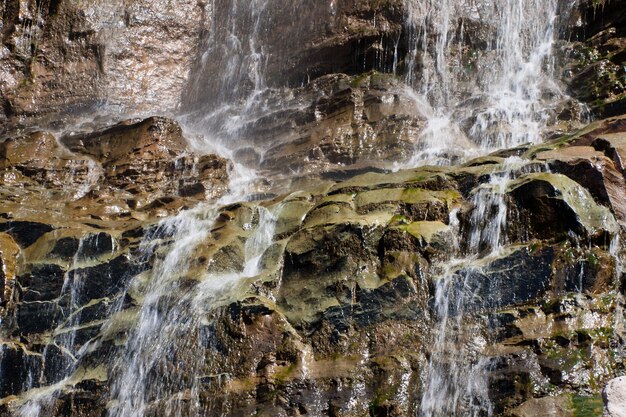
456	376
234	58
62	354
164	358
485	69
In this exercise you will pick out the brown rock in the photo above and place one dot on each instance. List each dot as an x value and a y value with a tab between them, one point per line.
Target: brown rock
69	57
9	252
351	123
150	139
34	150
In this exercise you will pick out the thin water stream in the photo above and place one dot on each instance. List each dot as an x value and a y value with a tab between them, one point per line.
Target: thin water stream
455	380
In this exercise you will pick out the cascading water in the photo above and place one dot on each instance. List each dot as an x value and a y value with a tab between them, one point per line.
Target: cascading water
455	380
161	366
497	104
477	98
486	93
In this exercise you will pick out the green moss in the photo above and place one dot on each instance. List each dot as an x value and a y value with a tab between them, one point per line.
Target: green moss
593	260
358	80
284	374
399	220
587	406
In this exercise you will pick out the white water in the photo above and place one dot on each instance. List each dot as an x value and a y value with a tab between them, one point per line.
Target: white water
499	104
163	354
493	98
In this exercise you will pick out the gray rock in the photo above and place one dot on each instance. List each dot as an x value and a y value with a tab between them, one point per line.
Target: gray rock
614	395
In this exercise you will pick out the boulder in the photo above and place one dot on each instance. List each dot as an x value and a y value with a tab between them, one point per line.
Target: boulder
614	395
601	176
155	138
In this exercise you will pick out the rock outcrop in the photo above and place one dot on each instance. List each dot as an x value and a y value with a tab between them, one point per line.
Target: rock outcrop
61	57
595	71
339	320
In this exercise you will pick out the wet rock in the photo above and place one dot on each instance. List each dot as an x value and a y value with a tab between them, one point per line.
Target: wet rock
42	283
352	123
594	69
151	139
71	57
593	273
614	395
104	280
136	169
25	233
56	364
65	248
552	205
33	151
97	244
37	317
593	170
517	277
16	364
614	146
151	156
348	37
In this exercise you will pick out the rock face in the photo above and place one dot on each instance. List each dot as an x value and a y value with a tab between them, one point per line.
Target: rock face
595	72
132	170
65	56
351	122
336	286
339	318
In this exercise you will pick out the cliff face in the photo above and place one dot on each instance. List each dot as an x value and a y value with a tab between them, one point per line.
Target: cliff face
385	258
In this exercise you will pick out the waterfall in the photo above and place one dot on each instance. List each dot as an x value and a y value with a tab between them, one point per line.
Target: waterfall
500	104
162	364
456	376
486	68
481	72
